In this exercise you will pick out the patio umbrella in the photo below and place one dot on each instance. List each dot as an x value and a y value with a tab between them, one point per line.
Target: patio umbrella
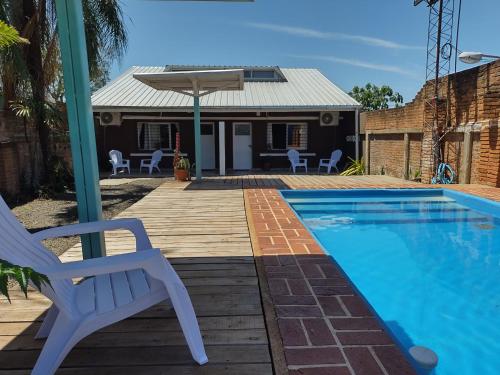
195	83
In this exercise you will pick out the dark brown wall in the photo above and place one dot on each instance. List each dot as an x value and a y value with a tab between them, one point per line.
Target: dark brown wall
321	140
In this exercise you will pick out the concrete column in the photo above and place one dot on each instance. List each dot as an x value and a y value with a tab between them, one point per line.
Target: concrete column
406	170
466	162
367	152
222	148
197	136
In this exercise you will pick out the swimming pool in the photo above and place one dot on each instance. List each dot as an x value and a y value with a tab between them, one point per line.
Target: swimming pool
426	260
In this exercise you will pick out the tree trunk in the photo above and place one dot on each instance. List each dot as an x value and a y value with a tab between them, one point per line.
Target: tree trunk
35	69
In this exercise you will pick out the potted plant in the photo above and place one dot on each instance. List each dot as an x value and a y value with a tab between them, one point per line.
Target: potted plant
182	169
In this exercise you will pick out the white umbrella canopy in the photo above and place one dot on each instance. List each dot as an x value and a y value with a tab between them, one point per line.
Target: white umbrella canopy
195	83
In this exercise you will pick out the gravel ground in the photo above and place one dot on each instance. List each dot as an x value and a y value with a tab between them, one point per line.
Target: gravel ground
41	214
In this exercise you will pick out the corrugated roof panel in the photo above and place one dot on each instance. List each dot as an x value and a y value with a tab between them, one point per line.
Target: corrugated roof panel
305	89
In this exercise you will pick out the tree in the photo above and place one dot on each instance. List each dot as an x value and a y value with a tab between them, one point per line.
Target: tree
373	97
31	73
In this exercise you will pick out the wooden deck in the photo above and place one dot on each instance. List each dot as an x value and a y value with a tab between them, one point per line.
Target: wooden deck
202	228
205	236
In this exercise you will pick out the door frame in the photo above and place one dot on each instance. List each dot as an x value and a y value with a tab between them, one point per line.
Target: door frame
251	142
214	148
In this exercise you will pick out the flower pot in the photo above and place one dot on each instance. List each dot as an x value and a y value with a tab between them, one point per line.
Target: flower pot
181	174
266	164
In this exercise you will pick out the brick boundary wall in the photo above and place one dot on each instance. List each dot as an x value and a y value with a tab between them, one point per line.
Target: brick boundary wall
16	148
396	143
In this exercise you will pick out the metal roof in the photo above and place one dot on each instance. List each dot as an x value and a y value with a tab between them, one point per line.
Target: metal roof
304	90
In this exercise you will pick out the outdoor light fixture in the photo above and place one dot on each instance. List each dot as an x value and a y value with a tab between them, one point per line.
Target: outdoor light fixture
474	57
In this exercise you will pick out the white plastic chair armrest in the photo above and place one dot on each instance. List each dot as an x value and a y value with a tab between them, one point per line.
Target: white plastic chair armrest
303	160
324	160
100	266
133	225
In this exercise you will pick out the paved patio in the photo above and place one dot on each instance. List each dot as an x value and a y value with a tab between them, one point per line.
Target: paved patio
323	327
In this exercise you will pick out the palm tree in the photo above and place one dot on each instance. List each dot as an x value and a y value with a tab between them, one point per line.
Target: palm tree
31	74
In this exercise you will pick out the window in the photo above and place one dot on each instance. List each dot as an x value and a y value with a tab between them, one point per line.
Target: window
283	136
156	136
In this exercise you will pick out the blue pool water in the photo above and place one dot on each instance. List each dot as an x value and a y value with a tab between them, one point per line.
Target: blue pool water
427	261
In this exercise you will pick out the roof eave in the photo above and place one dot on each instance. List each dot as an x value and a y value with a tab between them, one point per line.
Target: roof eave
319	108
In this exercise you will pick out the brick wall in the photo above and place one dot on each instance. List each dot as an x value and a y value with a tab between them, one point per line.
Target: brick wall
474	105
18	142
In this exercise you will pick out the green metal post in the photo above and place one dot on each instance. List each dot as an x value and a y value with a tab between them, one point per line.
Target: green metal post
197	136
80	120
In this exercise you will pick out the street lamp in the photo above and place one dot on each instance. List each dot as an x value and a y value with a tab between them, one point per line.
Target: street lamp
80	118
474	57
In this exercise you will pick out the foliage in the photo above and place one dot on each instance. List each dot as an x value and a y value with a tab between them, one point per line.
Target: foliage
60	178
31	78
183	164
417	175
355	167
9	36
373	97
25	108
21	275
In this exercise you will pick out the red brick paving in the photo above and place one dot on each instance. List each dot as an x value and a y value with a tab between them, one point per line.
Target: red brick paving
325	327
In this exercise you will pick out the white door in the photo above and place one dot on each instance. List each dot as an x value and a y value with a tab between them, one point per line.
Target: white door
207	146
242	145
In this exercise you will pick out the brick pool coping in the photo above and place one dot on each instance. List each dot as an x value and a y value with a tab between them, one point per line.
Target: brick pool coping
323	326
317	322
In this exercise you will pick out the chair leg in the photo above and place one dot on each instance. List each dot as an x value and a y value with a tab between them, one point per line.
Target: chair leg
183	308
48	323
150	169
61	340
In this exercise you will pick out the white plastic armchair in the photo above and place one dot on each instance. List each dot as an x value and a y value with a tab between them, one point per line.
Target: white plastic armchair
296	161
153	162
117	161
115	287
332	162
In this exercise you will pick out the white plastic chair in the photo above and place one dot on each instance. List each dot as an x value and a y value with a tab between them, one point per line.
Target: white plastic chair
332	162
115	287
296	161
117	161
153	162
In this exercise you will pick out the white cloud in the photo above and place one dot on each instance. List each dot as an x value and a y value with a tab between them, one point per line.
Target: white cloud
317	34
360	63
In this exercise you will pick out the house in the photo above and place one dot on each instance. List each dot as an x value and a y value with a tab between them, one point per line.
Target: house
278	109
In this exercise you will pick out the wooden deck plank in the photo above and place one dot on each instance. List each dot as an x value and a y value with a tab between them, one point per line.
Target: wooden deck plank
205	236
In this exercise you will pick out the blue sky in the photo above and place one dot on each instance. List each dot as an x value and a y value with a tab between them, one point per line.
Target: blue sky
352	41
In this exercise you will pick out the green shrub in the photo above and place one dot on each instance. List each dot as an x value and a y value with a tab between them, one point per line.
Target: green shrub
355	167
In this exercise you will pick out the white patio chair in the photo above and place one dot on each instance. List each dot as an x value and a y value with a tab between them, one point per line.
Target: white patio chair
153	162
114	287
296	161
117	161
332	162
